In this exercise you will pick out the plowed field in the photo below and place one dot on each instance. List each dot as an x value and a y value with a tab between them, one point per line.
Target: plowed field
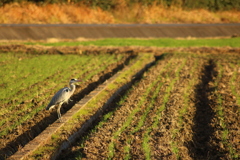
186	106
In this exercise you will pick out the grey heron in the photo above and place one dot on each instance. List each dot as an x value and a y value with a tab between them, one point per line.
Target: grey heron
61	97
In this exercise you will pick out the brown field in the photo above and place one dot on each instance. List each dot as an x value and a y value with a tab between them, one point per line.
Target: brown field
78	13
185	106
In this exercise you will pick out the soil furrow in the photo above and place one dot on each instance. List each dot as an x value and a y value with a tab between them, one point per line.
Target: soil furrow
204	144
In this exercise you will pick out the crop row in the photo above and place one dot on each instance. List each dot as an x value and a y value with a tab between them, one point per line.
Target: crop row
227	109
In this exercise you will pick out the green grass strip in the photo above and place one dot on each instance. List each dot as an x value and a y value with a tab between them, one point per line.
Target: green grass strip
232	82
20	75
182	112
174	147
187	93
158	42
10	58
146	148
66	73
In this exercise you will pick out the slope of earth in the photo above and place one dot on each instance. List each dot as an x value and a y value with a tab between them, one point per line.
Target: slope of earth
185	107
29	32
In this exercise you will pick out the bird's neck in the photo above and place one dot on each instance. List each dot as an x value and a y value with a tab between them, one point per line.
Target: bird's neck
72	87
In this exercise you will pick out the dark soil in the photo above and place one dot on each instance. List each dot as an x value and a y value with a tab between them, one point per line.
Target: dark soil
204	145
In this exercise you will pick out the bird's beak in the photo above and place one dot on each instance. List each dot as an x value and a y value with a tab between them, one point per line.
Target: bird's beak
79	81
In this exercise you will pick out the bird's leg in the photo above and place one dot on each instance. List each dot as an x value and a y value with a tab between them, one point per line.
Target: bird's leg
59	112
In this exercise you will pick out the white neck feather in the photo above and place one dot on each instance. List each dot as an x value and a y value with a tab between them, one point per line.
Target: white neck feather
72	87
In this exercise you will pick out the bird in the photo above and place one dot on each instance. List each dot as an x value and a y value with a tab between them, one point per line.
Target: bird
62	96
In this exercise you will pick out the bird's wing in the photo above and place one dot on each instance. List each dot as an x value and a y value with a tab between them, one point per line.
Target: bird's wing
61	96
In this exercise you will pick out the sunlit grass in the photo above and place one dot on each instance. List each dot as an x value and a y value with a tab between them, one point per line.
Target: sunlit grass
39	85
155	42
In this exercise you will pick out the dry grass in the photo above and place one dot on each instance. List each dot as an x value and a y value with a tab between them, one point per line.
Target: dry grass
52	13
79	13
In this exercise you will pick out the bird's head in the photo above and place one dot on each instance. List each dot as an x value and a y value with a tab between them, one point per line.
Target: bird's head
74	80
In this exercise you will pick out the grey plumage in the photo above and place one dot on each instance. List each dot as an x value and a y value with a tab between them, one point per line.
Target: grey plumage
62	96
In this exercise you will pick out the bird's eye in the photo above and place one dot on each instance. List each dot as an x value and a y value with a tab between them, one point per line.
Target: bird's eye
72	79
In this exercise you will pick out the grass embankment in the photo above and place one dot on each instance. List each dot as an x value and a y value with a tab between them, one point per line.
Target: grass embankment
36	78
89	109
122	13
163	42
